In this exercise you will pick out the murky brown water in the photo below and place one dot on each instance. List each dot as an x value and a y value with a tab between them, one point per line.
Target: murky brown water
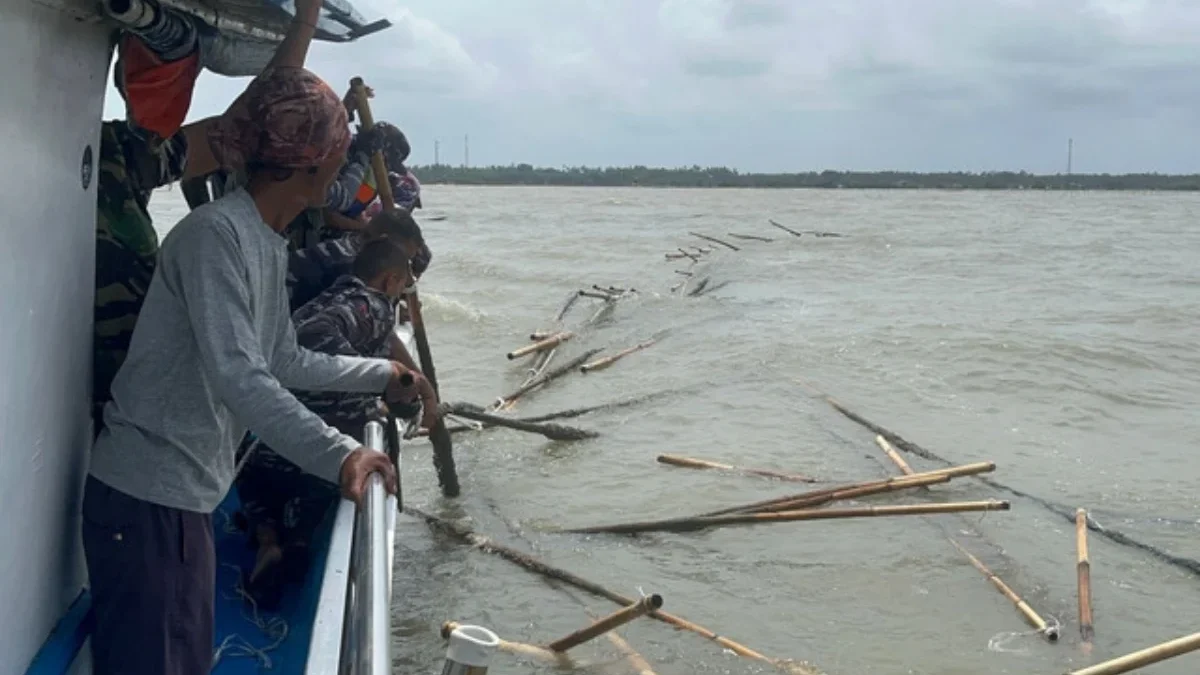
1055	334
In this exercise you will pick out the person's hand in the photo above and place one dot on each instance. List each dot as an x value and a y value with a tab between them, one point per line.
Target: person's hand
360	464
370	141
351	101
408	385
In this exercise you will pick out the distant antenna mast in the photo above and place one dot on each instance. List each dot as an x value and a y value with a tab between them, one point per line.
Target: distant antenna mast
437	152
1070	154
466	151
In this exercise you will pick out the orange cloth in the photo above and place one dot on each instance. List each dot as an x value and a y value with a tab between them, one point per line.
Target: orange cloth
157	93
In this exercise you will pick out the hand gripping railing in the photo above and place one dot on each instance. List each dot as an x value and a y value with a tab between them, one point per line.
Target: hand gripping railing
368	649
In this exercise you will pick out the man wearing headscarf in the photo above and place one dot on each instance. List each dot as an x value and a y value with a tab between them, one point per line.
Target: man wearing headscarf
214	353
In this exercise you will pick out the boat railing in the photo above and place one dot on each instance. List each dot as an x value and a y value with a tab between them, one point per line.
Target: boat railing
366	641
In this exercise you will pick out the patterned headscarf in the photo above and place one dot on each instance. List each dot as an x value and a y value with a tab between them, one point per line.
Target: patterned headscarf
287	118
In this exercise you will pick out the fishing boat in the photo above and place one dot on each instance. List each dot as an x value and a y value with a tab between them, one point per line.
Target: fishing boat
55	56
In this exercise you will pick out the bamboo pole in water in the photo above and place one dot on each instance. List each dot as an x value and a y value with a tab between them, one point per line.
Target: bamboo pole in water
691	463
541	345
1083	569
555	432
749	237
816	497
1144	657
1034	619
784	228
639	663
694	524
520	648
692	256
597	628
602	363
715	241
550	376
532	564
894	455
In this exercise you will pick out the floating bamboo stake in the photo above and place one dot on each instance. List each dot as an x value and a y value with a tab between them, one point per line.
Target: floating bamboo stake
532	564
640	666
1144	657
715	241
690	463
618	618
702	250
698	523
555	432
540	335
548	377
922	482
683	272
890	451
541	345
676	256
597	295
1083	570
520	648
693	257
1035	620
785	229
602	363
749	237
817	497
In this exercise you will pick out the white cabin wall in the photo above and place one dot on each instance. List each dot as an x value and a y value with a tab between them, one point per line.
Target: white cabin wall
53	68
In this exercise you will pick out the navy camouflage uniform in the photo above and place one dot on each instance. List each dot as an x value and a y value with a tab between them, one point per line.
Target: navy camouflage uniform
313	269
348	319
126	244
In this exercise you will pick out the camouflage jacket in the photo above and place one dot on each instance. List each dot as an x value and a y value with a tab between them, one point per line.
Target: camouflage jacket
313	269
348	319
126	243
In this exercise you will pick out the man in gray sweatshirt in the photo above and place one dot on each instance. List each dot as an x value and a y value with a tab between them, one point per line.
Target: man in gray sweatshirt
215	353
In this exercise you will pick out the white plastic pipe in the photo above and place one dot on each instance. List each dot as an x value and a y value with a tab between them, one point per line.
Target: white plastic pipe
470	651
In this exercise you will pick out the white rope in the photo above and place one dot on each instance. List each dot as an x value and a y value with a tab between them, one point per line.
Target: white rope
274	628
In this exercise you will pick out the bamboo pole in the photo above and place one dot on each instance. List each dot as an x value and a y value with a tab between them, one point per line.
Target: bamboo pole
597	628
541	345
598	295
684	273
922	482
558	372
520	648
749	237
694	524
715	241
784	228
555	432
1034	619
692	256
891	452
1083	570
639	663
691	463
532	564
539	335
1144	657
602	363
443	446
861	489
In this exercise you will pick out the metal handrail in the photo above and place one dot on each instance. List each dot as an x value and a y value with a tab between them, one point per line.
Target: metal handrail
370	597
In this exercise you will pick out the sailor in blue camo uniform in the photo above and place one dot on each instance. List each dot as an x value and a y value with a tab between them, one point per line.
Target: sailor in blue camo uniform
282	505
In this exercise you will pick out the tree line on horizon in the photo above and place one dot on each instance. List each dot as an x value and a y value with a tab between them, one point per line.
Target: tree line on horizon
723	177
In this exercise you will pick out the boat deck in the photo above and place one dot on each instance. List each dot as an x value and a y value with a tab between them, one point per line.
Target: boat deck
249	642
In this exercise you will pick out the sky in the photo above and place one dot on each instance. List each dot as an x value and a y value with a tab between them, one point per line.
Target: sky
780	85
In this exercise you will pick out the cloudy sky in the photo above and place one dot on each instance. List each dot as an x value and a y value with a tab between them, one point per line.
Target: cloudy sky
783	85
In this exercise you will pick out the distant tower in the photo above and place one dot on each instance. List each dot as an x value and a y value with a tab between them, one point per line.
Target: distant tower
1070	154
466	151
437	152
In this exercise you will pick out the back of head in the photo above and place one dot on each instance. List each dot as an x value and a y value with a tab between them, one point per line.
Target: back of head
379	257
398	148
397	225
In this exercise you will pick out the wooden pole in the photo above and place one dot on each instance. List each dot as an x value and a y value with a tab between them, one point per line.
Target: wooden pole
555	432
558	372
532	564
785	229
894	455
443	447
815	497
520	648
541	345
715	241
749	237
1034	619
1083	570
693	257
1143	658
618	618
693	524
640	666
602	363
690	463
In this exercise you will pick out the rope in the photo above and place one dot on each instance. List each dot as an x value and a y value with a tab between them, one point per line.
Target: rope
275	628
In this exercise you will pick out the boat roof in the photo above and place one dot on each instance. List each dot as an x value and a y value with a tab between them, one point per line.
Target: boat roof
268	19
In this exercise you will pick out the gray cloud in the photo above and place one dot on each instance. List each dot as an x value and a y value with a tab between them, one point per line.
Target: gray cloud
784	84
